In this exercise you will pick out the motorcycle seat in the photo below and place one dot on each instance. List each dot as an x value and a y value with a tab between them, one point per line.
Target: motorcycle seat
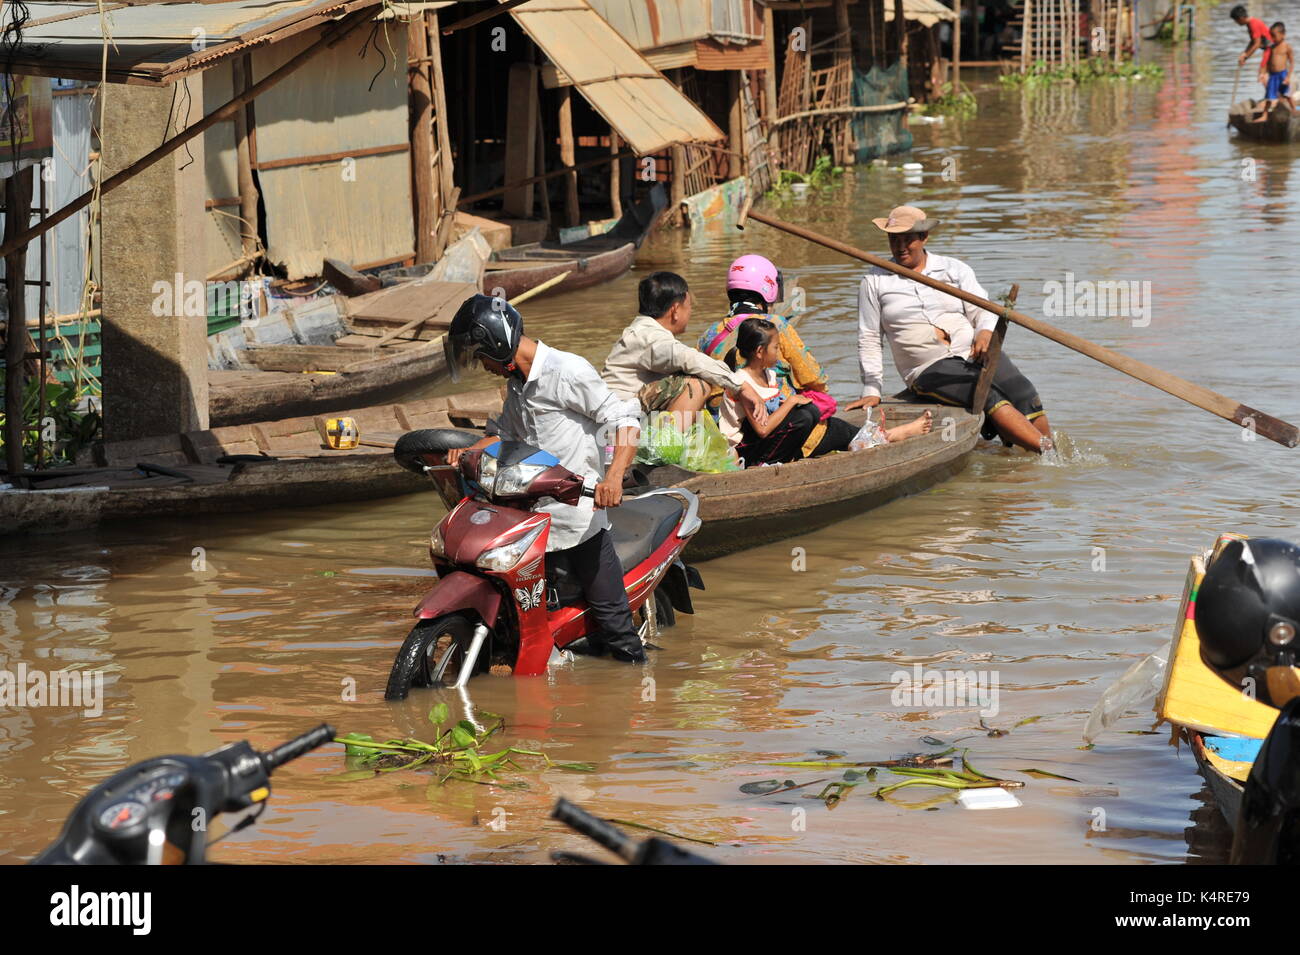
637	527
640	524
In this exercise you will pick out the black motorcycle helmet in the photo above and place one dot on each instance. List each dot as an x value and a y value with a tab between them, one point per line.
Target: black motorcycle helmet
483	327
1248	611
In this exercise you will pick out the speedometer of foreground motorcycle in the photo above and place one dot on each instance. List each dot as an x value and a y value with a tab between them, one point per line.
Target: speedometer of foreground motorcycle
129	810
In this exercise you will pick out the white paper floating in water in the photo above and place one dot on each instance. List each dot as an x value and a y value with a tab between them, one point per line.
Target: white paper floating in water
994	798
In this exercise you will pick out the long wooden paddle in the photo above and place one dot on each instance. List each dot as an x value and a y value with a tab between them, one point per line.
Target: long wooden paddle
1236	77
1275	429
991	358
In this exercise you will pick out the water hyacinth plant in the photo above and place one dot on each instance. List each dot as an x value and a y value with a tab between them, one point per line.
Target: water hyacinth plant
455	753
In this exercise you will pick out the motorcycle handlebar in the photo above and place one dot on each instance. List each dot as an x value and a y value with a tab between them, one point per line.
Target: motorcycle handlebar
584	823
298	746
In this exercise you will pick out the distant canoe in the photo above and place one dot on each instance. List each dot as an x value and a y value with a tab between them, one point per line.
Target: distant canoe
271	464
1282	125
589	262
747	508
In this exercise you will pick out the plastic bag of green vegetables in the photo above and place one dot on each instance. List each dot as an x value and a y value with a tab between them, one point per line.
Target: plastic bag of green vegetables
701	448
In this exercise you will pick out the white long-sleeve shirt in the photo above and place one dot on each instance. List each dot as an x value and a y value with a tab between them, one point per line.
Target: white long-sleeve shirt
646	352
565	408
907	313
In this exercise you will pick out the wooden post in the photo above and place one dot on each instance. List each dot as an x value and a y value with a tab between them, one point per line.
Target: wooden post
521	137
735	127
769	74
18	213
241	79
901	23
572	214
769	82
469	104
678	191
615	185
843	26
419	98
544	193
847	152
42	307
442	136
1026	26
956	50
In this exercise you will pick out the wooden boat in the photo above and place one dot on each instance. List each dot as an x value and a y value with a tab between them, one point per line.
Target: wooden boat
272	464
746	508
743	509
1282	125
1225	777
589	261
1223	727
331	354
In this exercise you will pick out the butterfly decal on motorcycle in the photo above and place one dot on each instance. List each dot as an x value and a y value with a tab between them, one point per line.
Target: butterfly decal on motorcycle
530	597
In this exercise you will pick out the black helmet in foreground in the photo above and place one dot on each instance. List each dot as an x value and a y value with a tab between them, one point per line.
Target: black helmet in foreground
484	327
1248	611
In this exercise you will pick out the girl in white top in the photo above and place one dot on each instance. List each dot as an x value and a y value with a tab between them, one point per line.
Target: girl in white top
793	428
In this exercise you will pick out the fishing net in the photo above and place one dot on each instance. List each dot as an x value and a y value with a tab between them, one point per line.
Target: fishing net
878	134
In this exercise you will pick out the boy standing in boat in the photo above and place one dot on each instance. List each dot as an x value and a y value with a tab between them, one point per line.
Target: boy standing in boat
649	364
1261	38
1280	62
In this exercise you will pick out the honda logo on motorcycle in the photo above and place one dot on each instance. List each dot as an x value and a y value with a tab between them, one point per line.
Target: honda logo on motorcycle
530	597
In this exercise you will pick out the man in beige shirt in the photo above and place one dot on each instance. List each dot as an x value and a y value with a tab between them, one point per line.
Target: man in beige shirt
649	363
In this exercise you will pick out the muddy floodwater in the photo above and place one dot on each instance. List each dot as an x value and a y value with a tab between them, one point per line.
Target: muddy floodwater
1050	577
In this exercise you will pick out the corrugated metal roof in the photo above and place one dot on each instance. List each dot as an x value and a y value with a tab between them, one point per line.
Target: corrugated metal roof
648	24
635	98
735	21
928	12
156	42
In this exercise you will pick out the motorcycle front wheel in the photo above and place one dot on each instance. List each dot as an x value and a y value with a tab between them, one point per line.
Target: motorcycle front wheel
431	655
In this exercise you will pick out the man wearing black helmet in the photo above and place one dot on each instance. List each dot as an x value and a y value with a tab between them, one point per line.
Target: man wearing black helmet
557	402
1247	616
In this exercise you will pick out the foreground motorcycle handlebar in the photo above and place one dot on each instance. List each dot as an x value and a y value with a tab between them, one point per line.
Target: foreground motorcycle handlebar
157	812
653	851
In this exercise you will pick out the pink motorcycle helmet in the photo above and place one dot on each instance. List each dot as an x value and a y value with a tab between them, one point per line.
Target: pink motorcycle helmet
753	273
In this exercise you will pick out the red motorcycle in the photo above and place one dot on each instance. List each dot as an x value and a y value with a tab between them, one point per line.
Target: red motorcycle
503	603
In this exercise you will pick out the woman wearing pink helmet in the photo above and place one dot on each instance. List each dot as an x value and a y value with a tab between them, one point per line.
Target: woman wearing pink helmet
754	285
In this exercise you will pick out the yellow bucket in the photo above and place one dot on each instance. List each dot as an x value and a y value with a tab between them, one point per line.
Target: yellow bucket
342	433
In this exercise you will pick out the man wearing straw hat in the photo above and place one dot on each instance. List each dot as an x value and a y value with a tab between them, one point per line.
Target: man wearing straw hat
938	340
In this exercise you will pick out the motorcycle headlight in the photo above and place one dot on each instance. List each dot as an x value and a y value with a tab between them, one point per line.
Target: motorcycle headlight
504	557
487	472
514	480
436	545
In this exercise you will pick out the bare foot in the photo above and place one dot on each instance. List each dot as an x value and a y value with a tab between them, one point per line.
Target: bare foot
921	425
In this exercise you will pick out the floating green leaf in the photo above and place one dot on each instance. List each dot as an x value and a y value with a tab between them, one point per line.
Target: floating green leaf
1044	774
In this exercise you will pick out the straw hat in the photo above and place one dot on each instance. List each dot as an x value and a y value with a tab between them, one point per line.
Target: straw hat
906	219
